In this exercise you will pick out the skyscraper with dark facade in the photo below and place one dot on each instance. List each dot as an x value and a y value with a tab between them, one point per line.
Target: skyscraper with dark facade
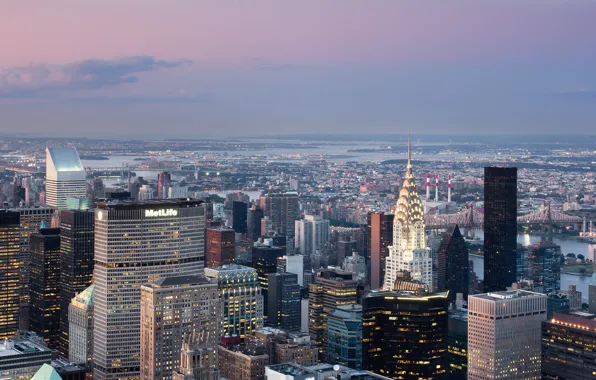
221	247
240	217
380	232
282	210
284	301
256	216
9	273
500	227
76	270
44	284
405	334
544	266
264	260
454	268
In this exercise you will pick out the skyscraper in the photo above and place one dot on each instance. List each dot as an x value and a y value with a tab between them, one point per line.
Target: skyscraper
404	334
256	216
31	218
9	273
544	266
282	210
80	327
65	176
331	288
45	285
163	183
500	228
283	301
197	360
240	217
409	251
454	267
240	292
171	308
137	243
76	270
264	260
221	247
312	234
380	231
510	321
344	336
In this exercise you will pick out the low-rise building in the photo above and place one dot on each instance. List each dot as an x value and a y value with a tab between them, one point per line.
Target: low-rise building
21	358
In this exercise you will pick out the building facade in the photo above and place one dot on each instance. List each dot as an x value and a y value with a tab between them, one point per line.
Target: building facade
65	177
221	247
137	243
240	292
264	260
80	327
500	228
238	365
344	336
283	298
453	264
312	234
44	285
10	280
172	308
404	334
20	359
511	322
240	217
282	210
409	251
380	235
197	361
544	266
77	231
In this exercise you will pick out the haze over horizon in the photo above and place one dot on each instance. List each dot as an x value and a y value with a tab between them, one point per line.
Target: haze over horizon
198	68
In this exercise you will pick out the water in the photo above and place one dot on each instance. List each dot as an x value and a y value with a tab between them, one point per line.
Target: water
567	246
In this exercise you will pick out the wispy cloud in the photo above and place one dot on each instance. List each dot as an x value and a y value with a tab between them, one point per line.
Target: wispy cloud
44	80
202	98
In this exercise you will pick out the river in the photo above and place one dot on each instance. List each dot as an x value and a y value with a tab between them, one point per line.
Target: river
567	246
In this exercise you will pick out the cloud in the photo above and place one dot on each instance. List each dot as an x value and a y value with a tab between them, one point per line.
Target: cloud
44	80
202	98
578	94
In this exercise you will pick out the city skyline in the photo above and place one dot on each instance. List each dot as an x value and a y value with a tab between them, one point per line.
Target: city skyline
307	67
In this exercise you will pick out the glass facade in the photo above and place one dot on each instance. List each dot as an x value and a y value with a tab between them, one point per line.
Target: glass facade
454	268
344	336
9	273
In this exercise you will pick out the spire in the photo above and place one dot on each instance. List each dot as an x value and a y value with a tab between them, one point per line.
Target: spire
409	148
409	164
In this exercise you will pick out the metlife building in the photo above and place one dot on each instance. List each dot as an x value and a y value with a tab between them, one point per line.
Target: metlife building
137	243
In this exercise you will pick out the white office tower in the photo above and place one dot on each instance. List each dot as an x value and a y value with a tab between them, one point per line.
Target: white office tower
409	251
137	243
65	177
504	332
172	308
311	234
80	327
292	264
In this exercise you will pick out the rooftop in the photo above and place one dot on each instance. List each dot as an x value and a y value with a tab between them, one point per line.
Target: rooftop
507	294
405	294
230	268
127	203
86	297
180	280
21	347
65	159
291	369
46	372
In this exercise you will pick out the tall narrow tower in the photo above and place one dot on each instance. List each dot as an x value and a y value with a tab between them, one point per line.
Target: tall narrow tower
409	251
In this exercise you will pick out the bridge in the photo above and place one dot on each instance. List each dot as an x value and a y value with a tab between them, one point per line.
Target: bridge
469	217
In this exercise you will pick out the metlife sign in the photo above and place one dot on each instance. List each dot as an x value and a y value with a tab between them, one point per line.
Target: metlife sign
161	213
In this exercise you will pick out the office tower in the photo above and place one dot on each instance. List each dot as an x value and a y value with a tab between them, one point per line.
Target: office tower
404	332
21	358
380	232
9	273
255	216
575	297
556	302
137	243
163	182
312	234
221	247
544	266
292	264
98	189
76	270
568	341
238	363
511	322
282	210
331	288
80	327
344	336
454	268
171	308
409	251
240	217
284	301
197	360
31	219
344	249
500	227
264	260
65	176
44	284
240	291
521	263
355	264
457	343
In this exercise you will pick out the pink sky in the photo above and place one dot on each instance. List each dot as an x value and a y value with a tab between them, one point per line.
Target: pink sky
306	32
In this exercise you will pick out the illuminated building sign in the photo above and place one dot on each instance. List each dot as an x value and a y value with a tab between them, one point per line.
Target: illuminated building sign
160	213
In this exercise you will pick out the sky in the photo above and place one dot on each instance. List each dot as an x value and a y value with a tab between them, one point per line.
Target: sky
155	68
